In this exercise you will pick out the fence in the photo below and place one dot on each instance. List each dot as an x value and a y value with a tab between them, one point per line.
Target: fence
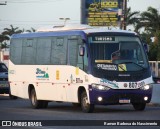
155	67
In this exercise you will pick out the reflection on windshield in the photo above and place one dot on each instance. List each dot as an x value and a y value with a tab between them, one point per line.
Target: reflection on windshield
127	52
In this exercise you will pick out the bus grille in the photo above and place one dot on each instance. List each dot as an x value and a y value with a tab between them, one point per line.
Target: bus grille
124	78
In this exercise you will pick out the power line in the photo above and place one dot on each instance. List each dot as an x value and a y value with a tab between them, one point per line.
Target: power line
10	20
33	1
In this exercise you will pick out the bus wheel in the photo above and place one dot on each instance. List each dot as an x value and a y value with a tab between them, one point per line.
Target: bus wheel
37	103
139	106
86	107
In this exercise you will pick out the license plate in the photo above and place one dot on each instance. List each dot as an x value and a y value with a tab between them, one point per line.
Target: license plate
124	101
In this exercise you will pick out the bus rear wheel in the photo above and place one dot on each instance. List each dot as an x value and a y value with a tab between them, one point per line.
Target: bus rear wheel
86	107
37	103
139	106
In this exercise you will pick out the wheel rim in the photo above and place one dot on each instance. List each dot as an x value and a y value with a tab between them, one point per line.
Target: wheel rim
85	102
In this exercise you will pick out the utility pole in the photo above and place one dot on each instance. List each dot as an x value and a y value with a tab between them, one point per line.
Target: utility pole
125	15
123	18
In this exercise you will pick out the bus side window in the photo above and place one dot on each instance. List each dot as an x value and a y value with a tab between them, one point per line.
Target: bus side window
16	51
74	58
59	51
29	51
80	59
72	52
85	60
43	44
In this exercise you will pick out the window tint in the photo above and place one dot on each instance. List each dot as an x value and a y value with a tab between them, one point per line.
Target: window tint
28	51
47	50
16	51
59	51
43	51
72	52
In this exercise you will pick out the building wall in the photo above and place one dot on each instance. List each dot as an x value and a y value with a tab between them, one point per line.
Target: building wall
4	56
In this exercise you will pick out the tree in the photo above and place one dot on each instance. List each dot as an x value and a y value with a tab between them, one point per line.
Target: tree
6	35
3	38
2	43
150	20
132	17
9	31
31	30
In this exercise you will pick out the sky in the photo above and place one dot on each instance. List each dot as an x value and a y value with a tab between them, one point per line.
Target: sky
40	13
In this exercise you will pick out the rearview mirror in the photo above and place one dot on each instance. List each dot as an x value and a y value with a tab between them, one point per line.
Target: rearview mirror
81	51
146	47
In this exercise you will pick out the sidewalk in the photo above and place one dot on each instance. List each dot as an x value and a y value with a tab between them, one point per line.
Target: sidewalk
155	95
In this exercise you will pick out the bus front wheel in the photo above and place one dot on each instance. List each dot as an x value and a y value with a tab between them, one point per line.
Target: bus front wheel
37	103
139	106
86	107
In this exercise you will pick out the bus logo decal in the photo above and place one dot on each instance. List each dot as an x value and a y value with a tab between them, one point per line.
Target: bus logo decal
107	67
109	83
41	74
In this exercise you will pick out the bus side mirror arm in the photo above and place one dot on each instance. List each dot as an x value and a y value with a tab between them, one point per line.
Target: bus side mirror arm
146	47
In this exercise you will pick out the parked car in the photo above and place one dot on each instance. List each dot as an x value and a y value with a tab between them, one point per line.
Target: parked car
4	84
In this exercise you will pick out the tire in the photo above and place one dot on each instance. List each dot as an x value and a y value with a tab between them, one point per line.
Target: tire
139	106
86	107
37	104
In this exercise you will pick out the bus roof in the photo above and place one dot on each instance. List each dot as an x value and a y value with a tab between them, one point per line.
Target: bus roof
75	31
49	34
105	30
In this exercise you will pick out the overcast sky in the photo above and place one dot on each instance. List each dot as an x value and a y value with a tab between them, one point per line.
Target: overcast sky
38	13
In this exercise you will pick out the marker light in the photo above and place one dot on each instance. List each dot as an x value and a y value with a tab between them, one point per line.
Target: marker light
100	87
100	99
145	98
146	87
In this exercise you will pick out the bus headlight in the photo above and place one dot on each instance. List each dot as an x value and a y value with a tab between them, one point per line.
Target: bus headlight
100	87
146	87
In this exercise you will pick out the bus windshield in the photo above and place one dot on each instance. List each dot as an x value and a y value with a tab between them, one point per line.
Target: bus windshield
118	55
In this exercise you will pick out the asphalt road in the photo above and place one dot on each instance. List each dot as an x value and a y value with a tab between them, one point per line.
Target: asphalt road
20	109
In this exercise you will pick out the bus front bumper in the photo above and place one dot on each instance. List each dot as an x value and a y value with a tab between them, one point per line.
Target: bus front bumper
119	96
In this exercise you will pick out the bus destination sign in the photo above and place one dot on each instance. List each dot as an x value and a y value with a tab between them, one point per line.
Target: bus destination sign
103	38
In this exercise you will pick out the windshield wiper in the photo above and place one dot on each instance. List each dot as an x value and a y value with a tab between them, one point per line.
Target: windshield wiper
128	62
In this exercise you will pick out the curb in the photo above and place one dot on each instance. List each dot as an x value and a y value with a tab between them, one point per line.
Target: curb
153	104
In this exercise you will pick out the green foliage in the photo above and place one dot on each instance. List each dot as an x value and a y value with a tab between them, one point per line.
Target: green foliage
6	34
132	17
4	45
152	55
150	21
158	44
